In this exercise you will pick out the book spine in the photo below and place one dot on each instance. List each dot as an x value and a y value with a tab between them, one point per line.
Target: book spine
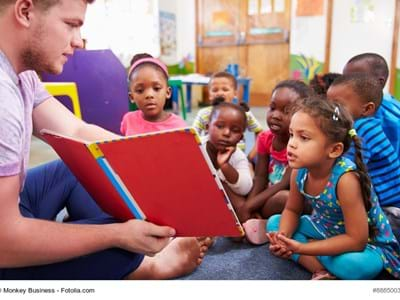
116	182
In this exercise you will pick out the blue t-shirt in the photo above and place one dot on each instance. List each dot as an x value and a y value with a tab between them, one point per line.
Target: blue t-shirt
389	113
381	160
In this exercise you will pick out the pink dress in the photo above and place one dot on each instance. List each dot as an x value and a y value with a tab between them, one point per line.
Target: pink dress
134	123
277	159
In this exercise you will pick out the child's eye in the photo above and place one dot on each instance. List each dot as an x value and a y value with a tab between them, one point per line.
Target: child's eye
236	130
304	138
290	134
138	91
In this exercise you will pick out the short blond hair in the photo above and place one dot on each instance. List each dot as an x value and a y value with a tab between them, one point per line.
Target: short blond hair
43	4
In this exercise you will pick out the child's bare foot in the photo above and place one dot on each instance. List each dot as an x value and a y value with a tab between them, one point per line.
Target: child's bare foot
255	231
178	258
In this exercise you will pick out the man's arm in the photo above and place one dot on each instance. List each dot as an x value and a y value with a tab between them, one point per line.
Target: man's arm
52	115
26	241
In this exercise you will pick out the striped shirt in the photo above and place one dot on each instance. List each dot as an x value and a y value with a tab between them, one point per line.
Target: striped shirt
381	160
203	118
389	113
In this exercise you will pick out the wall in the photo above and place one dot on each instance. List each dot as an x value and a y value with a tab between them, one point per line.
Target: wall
124	26
307	43
184	11
361	26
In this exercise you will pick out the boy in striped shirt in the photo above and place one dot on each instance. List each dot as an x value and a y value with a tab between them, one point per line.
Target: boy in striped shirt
361	95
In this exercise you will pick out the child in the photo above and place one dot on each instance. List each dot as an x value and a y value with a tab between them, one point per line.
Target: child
347	236
272	175
225	130
223	85
361	95
148	86
321	83
388	109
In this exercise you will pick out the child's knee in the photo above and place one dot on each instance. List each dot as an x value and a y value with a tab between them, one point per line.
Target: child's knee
273	223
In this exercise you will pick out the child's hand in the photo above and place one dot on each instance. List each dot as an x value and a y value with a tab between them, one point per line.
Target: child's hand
291	244
277	247
224	156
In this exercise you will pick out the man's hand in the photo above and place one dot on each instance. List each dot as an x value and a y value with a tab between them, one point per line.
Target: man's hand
143	237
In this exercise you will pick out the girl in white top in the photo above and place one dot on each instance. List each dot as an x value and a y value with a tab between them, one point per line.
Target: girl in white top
225	129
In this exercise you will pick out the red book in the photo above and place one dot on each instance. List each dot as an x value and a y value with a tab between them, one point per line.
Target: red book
165	178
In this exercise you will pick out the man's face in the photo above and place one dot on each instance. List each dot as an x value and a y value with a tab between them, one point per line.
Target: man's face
55	34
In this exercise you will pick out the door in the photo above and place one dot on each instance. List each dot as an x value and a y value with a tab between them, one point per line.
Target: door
251	33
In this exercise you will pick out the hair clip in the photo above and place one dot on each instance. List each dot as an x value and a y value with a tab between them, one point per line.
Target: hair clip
352	132
336	114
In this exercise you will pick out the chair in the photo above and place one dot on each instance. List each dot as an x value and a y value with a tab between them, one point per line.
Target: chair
66	89
177	90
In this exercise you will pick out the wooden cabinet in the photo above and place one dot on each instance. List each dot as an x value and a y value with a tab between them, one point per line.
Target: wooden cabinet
251	33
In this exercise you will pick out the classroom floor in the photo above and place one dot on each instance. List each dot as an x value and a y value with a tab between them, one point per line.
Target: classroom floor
41	152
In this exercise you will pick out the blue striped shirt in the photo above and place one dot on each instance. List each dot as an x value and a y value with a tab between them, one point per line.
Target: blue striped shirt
381	160
389	113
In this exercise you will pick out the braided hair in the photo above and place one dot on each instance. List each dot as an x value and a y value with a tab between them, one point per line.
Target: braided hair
336	123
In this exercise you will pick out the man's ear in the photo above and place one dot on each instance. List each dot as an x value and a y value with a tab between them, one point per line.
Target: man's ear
368	109
23	10
336	150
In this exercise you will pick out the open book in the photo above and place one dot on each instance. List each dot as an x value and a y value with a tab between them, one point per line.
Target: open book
165	178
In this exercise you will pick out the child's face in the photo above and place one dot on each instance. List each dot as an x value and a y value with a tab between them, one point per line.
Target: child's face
221	87
346	96
278	113
226	128
149	90
308	147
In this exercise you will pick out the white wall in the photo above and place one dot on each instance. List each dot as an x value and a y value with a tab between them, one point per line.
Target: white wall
355	30
124	26
308	34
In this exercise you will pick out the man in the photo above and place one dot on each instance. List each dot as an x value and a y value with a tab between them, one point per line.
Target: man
40	35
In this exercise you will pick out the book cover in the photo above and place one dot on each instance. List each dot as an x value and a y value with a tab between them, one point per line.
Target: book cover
165	178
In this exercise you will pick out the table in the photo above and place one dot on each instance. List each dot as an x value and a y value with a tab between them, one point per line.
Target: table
198	79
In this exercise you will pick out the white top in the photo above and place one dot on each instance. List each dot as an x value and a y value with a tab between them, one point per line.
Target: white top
239	162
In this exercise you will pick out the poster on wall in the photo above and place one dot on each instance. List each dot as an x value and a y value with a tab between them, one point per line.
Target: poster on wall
362	11
309	8
168	36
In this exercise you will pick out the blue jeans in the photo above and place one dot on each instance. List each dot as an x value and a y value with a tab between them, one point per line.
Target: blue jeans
48	189
366	264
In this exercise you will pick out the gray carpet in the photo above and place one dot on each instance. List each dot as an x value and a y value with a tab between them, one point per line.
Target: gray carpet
227	260
242	261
